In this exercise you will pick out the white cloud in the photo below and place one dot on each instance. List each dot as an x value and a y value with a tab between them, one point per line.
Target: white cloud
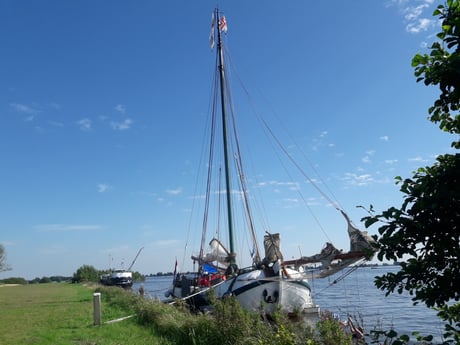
67	227
120	108
422	24
85	124
366	159
391	161
384	138
415	13
176	191
56	124
167	243
418	159
102	187
126	124
358	180
22	108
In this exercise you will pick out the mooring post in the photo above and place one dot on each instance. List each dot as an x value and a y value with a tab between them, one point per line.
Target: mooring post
97	308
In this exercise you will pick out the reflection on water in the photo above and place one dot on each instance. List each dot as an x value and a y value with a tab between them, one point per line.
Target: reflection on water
355	295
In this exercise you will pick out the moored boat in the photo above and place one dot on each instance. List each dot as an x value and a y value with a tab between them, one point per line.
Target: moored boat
269	283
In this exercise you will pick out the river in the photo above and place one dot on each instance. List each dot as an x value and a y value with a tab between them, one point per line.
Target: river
355	295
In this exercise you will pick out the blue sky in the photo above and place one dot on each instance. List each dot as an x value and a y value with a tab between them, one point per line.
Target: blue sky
103	105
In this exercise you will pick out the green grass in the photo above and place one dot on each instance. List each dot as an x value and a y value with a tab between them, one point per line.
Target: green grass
63	314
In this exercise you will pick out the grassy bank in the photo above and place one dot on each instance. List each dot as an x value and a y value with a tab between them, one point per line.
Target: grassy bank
62	314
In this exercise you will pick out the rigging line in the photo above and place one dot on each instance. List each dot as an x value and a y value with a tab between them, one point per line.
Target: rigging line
261	209
211	111
219	203
336	204
241	174
239	166
343	276
312	166
256	258
287	154
210	168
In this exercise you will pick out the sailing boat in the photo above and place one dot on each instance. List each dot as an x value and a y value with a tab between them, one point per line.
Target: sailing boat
270	283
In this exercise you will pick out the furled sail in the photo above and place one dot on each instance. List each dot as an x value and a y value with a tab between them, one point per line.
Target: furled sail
332	260
272	248
217	253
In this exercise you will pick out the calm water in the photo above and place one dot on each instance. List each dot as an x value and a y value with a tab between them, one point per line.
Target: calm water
355	295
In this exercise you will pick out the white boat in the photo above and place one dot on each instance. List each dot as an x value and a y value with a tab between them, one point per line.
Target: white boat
269	283
120	277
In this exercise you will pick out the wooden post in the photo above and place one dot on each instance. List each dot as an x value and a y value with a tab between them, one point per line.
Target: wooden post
97	308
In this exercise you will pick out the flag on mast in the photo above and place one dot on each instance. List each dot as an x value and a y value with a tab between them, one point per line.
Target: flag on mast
223	24
211	35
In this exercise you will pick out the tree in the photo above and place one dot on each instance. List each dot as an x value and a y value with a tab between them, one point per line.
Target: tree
426	228
442	67
3	264
86	273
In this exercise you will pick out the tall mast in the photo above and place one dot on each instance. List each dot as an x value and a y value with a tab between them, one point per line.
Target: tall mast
225	136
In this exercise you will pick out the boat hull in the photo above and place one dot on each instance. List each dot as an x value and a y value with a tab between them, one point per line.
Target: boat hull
119	278
257	290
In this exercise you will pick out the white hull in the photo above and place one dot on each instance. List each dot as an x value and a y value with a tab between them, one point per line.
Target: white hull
118	278
261	290
256	290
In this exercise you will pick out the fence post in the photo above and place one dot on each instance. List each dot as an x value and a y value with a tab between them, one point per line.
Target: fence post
97	308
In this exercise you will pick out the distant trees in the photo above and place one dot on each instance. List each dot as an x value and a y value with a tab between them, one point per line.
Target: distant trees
3	264
426	228
14	280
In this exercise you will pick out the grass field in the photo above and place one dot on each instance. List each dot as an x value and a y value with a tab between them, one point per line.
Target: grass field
62	313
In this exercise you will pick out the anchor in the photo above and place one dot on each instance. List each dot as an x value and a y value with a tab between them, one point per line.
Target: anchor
270	299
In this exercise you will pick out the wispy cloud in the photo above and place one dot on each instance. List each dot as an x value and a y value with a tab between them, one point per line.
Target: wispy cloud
22	108
418	159
121	126
67	227
290	185
176	191
54	106
367	157
385	138
291	202
85	124
415	14
56	124
421	24
53	250
358	180
120	108
164	243
319	141
102	187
